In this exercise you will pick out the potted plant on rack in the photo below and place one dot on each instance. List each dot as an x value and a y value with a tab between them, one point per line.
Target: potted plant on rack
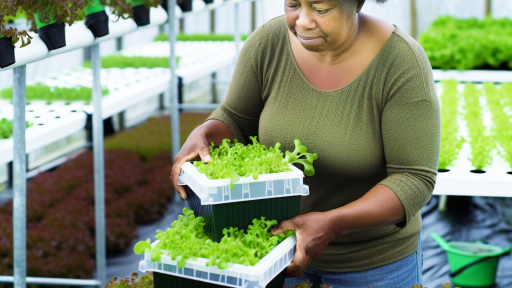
140	10
9	36
95	18
49	17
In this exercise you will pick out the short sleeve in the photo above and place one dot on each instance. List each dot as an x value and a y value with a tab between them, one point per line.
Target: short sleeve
243	105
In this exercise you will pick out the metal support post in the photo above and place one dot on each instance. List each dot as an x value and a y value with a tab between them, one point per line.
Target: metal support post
99	175
237	27
488	7
253	16
413	19
20	178
173	89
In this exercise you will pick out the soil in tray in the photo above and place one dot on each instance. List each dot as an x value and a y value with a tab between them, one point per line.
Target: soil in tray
170	281
240	214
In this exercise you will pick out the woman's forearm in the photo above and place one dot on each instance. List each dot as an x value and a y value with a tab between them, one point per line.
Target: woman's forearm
215	131
379	207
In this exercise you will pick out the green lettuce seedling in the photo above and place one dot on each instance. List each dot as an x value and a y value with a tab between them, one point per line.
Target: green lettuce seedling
235	160
186	239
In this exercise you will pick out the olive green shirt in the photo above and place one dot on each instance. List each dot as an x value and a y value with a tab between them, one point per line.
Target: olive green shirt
381	128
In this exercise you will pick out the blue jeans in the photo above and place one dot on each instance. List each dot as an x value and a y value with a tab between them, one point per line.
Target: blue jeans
403	273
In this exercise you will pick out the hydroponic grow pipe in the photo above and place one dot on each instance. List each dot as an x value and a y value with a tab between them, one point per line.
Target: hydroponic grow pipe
212	6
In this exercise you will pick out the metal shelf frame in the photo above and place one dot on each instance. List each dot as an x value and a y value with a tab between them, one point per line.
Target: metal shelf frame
20	279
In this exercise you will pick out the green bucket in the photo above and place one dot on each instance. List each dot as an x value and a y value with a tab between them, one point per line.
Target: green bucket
472	264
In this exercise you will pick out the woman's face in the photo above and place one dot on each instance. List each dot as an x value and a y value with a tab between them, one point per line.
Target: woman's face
322	25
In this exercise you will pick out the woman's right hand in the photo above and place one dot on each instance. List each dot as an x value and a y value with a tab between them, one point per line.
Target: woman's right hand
195	148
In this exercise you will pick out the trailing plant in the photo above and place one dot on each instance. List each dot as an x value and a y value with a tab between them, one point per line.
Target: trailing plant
451	142
8	10
237	160
468	43
6	128
497	100
120	61
186	239
480	139
49	94
49	10
201	37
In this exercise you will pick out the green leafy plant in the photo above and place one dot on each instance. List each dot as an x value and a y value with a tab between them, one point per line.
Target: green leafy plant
49	94
145	281
480	139
186	239
451	143
120	61
201	37
468	43
47	11
237	160
6	128
8	11
497	100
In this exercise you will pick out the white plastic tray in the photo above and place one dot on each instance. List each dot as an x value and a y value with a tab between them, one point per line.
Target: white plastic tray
197	58
50	125
257	276
477	76
459	180
127	87
267	186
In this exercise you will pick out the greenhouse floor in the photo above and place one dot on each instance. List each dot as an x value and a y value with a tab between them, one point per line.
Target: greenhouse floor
466	219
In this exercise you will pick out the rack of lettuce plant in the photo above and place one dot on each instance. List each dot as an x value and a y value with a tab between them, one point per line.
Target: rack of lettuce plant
493	177
78	36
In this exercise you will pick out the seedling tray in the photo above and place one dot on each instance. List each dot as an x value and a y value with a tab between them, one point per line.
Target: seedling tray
269	272
273	196
212	192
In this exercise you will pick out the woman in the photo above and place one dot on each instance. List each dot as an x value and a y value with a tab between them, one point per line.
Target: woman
358	92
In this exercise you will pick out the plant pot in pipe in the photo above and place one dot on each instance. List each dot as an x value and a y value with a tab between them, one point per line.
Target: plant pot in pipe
96	19
140	12
6	52
185	5
53	33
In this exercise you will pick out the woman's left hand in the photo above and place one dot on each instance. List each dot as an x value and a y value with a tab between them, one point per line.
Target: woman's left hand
313	232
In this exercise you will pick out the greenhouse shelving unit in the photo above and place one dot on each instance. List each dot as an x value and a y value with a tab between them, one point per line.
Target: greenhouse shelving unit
78	37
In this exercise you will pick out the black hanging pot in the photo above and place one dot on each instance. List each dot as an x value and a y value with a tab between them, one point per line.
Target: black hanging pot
140	13
96	19
53	34
6	52
208	1
185	5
